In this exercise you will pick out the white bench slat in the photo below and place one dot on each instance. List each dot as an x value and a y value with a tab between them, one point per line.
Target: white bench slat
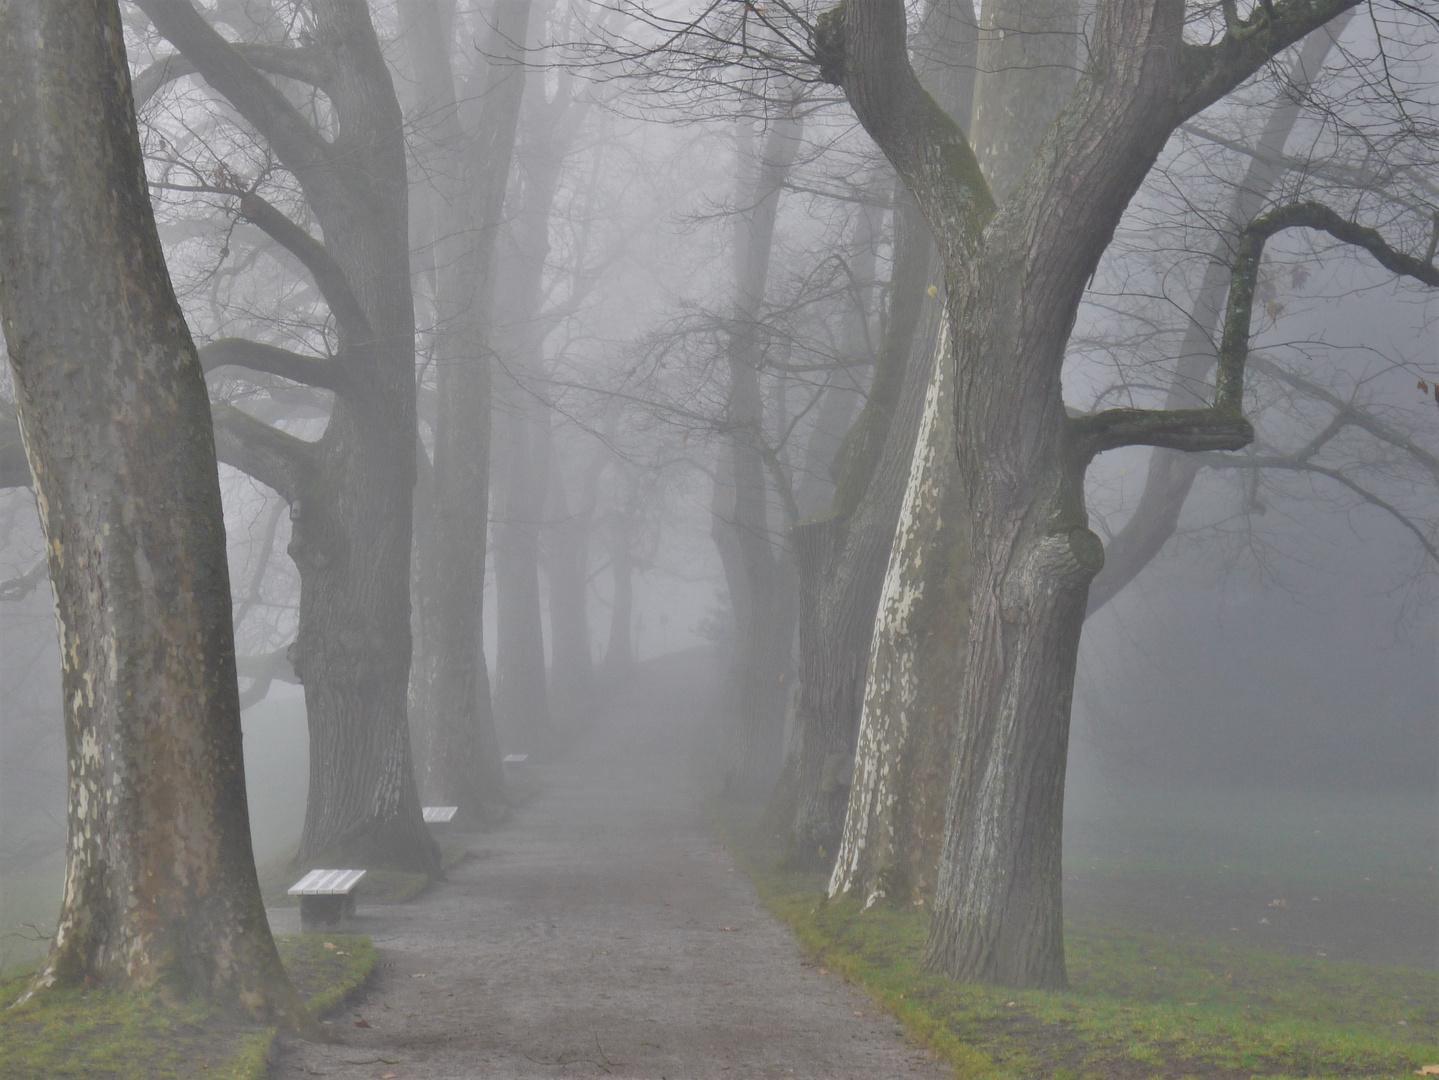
327	883
439	815
516	759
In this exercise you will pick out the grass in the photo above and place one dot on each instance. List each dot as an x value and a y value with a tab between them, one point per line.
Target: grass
1360	844
378	886
110	1035
1139	1005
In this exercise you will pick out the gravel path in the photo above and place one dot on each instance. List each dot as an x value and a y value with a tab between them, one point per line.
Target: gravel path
602	932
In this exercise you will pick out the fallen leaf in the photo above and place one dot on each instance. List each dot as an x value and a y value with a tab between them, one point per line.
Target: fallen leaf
418	975
331	945
824	971
388	1076
730	929
362	1023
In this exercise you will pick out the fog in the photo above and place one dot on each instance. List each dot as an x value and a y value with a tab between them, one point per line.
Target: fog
691	382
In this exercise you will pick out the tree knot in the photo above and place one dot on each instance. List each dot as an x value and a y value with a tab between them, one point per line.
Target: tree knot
827	40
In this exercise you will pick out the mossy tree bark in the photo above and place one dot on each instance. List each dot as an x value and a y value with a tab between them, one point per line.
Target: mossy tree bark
351	492
1025	59
1015	274
160	885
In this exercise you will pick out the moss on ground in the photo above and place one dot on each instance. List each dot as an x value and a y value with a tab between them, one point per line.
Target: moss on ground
1140	1005
109	1035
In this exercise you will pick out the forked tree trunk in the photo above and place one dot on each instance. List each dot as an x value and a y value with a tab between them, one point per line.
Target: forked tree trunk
160	884
1015	277
841	559
895	821
846	568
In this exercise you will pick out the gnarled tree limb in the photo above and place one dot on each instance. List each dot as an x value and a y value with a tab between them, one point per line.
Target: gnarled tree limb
861	46
304	65
277	459
334	286
302	149
272	360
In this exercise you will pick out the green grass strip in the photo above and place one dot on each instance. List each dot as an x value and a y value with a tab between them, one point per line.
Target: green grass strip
1139	1005
113	1035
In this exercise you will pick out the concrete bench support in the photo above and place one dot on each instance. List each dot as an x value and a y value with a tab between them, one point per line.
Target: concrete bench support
438	818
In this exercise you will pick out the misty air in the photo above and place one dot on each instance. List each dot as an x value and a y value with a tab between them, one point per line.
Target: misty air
727	540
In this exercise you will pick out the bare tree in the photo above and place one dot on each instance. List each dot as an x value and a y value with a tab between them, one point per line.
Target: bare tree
350	492
160	883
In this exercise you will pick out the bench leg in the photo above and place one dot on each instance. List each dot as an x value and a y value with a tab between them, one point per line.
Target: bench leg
319	912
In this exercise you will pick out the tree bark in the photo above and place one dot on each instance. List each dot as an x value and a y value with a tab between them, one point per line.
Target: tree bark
350	493
572	665
895	820
160	884
451	709
763	641
1014	280
619	659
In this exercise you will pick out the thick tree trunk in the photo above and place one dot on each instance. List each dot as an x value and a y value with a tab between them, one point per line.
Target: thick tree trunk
160	884
351	492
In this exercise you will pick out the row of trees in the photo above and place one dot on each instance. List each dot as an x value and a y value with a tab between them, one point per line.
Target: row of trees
406	235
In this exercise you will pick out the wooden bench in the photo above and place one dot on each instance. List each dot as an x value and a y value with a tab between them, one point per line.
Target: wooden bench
439	817
327	897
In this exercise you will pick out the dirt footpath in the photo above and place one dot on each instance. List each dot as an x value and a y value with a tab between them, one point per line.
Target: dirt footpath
602	932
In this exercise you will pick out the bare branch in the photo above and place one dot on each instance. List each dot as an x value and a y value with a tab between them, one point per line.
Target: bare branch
277	459
272	360
258	100
1212	71
334	286
17	588
304	65
1297	464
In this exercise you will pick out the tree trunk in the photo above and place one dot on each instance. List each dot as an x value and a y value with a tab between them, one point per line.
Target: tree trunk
521	696
459	754
841	560
1015	276
572	665
160	884
763	640
620	652
896	816
350	493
